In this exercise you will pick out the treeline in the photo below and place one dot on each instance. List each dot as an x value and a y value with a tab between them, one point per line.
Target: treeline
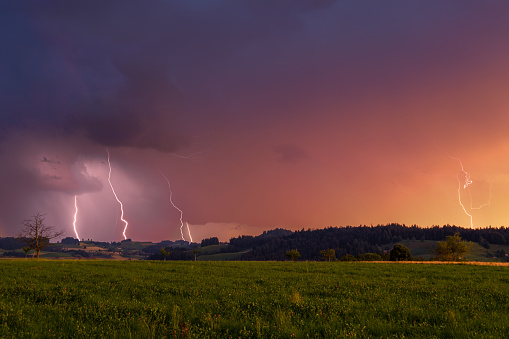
172	253
11	243
355	240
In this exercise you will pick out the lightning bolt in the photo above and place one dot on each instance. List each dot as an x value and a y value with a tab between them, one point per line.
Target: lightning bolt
178	209
188	231
463	206
75	216
189	157
466	183
118	200
485	204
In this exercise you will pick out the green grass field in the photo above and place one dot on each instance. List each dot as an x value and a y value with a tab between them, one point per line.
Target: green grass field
140	299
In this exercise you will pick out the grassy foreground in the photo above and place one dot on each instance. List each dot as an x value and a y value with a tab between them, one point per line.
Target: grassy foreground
82	299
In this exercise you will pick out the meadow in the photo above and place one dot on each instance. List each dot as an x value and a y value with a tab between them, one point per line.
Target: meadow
148	299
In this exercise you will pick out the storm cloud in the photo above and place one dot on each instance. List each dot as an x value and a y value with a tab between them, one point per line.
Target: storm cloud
367	100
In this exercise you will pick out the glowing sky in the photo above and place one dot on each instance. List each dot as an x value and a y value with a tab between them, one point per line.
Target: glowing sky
261	113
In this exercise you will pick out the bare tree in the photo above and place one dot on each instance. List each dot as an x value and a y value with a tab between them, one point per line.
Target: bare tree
37	235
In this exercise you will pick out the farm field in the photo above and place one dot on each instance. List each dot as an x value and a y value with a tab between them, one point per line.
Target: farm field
148	299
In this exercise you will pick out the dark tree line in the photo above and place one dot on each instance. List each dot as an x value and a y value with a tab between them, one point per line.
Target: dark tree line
172	253
11	243
355	240
210	241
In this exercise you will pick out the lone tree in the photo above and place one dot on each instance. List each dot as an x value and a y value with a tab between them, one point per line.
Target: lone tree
400	253
293	254
164	252
195	251
452	249
37	235
328	254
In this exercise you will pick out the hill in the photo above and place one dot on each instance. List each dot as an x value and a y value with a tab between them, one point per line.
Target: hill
490	244
369	239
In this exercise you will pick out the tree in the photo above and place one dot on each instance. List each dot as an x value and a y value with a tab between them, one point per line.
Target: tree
195	251
70	241
209	242
452	249
400	253
293	254
26	249
165	253
348	257
328	254
37	235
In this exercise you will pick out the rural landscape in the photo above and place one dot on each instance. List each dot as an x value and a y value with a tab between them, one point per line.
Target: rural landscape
85	289
359	243
254	169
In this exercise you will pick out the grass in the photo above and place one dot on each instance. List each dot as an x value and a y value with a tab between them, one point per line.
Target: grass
211	249
83	299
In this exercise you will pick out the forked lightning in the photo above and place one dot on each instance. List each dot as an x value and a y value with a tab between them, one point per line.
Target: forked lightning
118	200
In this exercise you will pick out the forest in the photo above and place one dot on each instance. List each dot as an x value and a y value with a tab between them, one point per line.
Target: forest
354	240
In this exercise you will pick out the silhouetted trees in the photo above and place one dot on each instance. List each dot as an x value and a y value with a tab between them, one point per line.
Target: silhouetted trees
175	253
351	240
70	241
11	243
210	241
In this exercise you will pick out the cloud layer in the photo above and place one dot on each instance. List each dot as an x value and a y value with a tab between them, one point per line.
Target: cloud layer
262	113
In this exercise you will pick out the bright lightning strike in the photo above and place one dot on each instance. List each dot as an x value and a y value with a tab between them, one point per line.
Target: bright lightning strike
466	183
118	200
178	209
189	231
75	216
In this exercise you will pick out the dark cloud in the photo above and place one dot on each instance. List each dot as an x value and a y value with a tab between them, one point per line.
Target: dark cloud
108	71
359	81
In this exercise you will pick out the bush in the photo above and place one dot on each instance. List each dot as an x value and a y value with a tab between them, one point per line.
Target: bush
400	253
369	257
293	254
452	249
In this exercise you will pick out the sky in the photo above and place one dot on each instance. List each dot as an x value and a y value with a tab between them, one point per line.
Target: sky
261	114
